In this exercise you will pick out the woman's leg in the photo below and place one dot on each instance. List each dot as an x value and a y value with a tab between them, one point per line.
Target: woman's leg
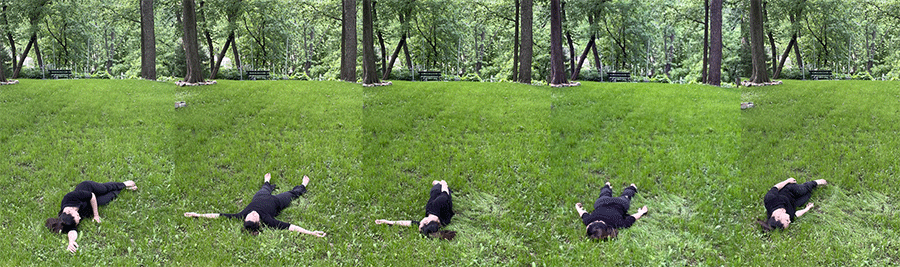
605	192
801	192
105	192
435	191
266	189
628	192
285	198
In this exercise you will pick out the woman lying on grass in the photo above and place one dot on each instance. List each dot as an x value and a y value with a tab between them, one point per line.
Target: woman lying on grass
609	213
264	207
83	202
438	212
783	199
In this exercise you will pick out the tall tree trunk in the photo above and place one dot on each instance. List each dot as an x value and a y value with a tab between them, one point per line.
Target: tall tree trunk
562	10
774	51
191	47
577	70
348	40
237	57
757	43
557	67
598	65
703	69
218	61
148	41
210	49
37	53
527	43
387	70
12	42
515	67
380	37
715	46
784	56
409	63
797	54
18	68
370	75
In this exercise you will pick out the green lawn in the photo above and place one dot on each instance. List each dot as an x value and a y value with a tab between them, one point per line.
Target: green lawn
518	158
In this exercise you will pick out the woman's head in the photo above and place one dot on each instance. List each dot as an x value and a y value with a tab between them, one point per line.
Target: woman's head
433	229
251	223
61	223
771	224
599	230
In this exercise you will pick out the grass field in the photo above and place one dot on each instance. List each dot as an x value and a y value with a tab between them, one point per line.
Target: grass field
517	157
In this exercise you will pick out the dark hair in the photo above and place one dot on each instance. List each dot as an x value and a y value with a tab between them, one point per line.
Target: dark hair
61	223
252	227
601	231
770	224
433	229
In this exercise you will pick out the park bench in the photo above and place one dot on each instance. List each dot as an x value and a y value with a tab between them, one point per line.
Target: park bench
619	76
253	74
424	75
57	73
817	74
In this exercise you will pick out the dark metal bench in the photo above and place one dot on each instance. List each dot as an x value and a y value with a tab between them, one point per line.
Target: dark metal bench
57	73
820	74
619	76
253	74
425	75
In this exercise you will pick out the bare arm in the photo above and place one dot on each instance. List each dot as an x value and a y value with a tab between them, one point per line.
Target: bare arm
785	182
204	215
641	212
803	211
402	223
580	209
72	245
94	206
295	228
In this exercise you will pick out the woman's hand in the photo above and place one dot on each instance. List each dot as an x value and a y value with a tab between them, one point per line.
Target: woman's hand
643	210
73	247
382	222
809	205
317	233
791	180
97	219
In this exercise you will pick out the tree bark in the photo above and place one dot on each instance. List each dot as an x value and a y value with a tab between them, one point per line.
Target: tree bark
774	51
18	68
148	41
368	43
237	57
577	70
37	53
348	41
784	56
12	42
757	43
515	67
562	10
526	53
380	37
557	67
218	61
797	54
387	70
703	69
190	43
715	46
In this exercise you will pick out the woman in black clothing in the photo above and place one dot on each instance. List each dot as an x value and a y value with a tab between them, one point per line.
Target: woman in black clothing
609	213
438	212
83	202
264	207
783	199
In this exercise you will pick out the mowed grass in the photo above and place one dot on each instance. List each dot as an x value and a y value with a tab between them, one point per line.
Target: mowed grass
517	157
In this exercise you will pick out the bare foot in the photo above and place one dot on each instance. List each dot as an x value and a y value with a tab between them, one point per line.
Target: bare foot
130	185
305	180
635	187
435	182
821	182
268	177
609	185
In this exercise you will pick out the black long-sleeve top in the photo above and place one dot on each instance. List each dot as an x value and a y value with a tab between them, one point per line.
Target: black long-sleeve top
441	206
774	200
613	214
267	206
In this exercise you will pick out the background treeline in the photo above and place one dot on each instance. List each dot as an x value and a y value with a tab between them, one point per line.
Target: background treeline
656	40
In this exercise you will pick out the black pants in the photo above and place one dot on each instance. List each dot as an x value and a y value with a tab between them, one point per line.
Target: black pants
284	199
800	193
624	199
104	192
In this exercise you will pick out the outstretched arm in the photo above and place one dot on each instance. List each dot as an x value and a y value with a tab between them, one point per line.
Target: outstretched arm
803	211
402	223
580	209
785	182
304	231
94	206
204	215
72	245
641	212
